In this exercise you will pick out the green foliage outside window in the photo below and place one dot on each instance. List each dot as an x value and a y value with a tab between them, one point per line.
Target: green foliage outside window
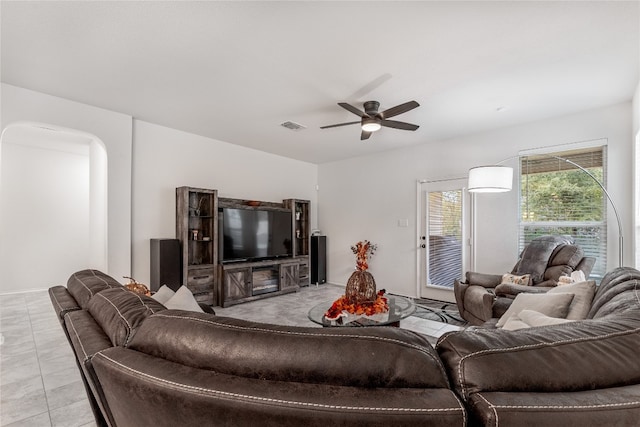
569	195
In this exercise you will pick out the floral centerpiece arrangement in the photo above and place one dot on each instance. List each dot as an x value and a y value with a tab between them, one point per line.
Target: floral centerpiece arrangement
363	250
360	296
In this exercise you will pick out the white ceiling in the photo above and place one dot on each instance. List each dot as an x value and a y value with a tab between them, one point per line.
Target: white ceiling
234	71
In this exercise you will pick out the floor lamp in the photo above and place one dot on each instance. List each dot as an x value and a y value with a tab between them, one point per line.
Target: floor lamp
497	178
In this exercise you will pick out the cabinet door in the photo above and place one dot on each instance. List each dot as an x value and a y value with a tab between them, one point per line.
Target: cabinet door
237	284
289	276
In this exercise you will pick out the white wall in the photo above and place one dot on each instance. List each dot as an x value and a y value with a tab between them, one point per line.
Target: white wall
165	158
44	212
636	110
363	198
636	180
113	129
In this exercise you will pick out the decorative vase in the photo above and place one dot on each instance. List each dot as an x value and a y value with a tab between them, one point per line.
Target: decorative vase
361	287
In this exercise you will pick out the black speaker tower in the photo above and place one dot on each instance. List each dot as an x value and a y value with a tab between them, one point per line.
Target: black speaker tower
166	264
318	259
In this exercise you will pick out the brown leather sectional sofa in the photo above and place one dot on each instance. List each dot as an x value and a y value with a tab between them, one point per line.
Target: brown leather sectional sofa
146	365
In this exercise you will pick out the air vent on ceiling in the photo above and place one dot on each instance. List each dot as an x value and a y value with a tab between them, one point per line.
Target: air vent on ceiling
293	125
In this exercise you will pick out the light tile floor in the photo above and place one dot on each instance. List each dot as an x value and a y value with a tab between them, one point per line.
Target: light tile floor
39	381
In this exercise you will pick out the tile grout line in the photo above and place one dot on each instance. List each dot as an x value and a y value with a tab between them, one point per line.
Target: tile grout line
35	345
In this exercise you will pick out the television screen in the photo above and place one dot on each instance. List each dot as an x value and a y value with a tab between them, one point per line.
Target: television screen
249	234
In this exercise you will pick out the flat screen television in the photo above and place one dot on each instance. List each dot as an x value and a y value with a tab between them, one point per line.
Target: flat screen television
254	234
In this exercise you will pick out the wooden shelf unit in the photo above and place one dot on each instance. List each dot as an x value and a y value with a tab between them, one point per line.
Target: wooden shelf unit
300	224
215	283
197	229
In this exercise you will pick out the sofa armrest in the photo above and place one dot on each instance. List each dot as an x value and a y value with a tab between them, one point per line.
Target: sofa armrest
583	355
483	279
63	302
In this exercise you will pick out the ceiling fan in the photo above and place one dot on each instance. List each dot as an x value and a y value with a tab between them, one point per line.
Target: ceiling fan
372	120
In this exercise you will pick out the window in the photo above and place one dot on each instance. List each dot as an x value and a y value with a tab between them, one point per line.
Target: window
556	197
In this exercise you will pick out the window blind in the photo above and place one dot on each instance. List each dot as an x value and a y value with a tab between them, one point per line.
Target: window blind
445	237
556	197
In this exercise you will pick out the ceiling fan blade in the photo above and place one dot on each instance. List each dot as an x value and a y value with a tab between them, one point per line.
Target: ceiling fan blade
398	125
399	109
365	135
339	124
352	109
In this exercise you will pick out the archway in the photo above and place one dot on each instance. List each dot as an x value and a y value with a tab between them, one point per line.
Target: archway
53	205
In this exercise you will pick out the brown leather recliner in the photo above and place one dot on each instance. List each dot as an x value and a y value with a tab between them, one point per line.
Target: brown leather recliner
482	296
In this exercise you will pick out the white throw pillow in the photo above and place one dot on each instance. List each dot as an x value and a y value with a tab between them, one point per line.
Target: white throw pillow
163	294
533	318
183	300
554	305
530	318
514	323
512	279
581	304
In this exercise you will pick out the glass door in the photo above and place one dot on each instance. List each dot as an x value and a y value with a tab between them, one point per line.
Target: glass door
445	253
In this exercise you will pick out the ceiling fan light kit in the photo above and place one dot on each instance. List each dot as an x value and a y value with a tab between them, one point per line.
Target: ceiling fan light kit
372	120
370	125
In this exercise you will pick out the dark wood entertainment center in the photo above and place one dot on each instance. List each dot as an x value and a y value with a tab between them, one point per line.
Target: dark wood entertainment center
224	284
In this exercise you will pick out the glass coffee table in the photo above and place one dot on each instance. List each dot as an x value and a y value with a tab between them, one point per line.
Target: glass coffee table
399	308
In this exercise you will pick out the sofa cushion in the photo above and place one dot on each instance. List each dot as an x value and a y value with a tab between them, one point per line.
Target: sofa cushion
85	284
360	357
152	391
619	291
583	293
535	256
119	312
582	355
563	261
554	305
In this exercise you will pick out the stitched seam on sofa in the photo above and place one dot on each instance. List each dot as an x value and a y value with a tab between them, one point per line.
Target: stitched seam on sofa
604	405
422	349
59	307
534	346
455	333
141	301
464	411
75	307
79	340
101	278
445	338
126	341
491	406
271	400
83	284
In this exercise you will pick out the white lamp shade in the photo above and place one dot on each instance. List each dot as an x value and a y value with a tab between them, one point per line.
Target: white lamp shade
490	179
